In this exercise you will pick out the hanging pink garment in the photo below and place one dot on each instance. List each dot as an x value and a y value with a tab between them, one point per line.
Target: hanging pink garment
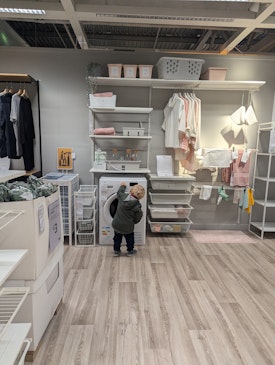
240	170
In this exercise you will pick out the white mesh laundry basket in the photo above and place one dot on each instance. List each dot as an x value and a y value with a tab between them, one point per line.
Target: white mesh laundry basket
172	68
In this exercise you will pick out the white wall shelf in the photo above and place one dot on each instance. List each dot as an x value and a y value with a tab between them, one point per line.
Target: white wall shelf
100	136
121	117
122	110
139	171
6	175
12	336
182	84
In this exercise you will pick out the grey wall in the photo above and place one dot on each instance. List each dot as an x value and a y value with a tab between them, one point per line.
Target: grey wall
63	95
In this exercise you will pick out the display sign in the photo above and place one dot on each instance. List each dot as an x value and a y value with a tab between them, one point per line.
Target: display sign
54	224
64	158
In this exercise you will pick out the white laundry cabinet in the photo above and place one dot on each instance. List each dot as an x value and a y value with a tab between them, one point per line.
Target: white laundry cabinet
170	203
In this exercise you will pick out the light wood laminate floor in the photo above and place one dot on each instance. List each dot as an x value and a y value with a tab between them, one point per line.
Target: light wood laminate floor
176	302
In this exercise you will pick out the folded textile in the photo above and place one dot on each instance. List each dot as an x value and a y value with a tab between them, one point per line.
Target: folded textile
108	131
103	95
205	192
217	157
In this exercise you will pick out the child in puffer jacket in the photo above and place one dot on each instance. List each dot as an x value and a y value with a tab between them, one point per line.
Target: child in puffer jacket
128	213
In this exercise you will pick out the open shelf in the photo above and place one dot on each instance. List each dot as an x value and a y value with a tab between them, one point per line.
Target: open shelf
182	84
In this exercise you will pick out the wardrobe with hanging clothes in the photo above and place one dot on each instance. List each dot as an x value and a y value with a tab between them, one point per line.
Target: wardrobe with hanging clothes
20	135
228	167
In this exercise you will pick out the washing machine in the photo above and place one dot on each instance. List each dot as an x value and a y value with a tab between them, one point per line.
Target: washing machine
108	187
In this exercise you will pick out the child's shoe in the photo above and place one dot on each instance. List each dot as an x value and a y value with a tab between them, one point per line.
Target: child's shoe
131	253
116	253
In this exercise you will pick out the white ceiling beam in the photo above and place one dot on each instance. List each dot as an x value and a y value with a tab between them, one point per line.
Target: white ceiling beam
228	46
77	28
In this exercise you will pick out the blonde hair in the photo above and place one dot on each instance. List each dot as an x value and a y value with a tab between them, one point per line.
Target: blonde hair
137	191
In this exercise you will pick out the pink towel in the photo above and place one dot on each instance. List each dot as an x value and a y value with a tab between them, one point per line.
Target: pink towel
108	131
103	95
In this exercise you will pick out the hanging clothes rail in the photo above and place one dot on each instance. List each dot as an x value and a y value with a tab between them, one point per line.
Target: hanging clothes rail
15	78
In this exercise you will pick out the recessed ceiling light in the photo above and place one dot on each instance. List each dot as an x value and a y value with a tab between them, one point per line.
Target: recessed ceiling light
22	11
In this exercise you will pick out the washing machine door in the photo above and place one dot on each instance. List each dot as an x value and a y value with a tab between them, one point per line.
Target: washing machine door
110	207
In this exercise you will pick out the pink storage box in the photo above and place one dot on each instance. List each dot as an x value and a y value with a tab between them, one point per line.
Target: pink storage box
214	73
114	70
130	71
145	71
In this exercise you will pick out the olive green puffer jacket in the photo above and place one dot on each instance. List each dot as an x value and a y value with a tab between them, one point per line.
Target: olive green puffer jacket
128	212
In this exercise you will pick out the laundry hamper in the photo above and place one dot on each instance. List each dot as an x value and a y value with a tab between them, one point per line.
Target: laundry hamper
173	68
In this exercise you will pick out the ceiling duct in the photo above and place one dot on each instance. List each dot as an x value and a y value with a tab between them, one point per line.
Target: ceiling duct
8	37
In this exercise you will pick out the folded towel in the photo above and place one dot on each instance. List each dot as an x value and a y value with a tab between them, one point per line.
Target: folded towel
103	95
108	131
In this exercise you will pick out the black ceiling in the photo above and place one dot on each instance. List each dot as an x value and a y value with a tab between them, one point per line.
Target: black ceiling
215	27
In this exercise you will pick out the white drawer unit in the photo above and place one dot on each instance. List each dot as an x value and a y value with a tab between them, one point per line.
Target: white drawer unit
85	215
68	184
170	203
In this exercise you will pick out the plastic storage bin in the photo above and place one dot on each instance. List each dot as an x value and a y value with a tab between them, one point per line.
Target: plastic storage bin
170	211
123	165
214	73
127	131
102	102
145	71
181	226
171	183
174	198
114	70
172	68
130	71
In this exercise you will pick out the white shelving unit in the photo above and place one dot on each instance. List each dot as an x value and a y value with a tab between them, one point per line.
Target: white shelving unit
13	337
85	215
120	117
68	184
262	217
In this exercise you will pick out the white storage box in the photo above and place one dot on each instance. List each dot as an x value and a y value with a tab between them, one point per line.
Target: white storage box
133	131
145	71
130	71
172	68
99	166
170	227
170	211
165	198
117	165
114	70
102	102
214	73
